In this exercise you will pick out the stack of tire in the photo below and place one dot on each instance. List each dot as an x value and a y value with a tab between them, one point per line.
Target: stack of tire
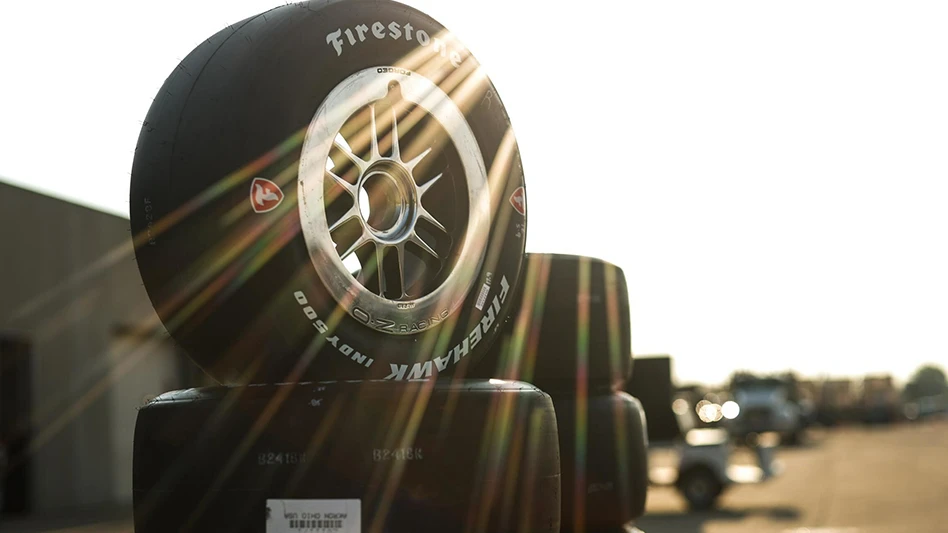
329	218
328	209
571	337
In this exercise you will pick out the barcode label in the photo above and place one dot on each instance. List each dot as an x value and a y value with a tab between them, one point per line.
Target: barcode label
316	516
334	525
482	297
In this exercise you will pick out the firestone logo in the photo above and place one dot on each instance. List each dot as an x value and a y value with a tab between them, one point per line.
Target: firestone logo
265	195
518	201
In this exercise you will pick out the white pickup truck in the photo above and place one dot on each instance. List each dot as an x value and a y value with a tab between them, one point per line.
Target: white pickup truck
699	463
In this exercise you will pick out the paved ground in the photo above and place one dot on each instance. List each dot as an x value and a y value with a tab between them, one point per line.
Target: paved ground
89	521
851	480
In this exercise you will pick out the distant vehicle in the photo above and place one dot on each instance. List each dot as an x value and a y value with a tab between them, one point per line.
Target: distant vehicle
880	400
927	407
703	470
700	466
838	402
767	405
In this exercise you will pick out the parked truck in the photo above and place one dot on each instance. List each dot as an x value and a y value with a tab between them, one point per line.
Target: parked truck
695	460
767	405
880	400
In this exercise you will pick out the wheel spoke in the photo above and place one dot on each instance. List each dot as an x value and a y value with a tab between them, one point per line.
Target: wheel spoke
396	151
356	160
364	238
379	270
422	189
353	212
374	135
424	246
348	187
423	213
414	162
400	249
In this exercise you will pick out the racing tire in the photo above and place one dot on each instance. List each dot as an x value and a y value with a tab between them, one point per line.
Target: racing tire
604	461
423	456
570	331
329	190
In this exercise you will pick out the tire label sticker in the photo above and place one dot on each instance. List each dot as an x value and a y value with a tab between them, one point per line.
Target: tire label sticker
518	201
265	195
482	297
319	516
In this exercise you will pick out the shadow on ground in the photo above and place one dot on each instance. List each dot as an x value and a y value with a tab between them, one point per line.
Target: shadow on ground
811	440
694	522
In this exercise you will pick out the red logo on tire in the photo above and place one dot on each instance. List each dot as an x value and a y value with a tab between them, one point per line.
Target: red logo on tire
518	201
264	195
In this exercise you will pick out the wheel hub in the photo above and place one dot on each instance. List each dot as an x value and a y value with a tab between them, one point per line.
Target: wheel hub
387	202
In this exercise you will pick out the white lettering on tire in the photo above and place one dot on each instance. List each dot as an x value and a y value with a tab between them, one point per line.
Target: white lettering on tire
359	34
420	370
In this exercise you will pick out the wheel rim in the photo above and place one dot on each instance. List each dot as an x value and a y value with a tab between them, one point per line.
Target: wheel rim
393	255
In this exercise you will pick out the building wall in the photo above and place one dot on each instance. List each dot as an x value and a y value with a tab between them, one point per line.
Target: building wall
141	369
69	284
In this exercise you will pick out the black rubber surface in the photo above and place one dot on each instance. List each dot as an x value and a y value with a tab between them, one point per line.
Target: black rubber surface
571	329
422	456
651	383
604	450
224	279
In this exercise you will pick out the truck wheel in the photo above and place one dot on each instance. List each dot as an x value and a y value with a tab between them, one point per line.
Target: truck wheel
701	488
329	190
570	330
429	456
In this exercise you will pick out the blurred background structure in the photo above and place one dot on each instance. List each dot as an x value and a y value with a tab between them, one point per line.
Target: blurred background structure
80	348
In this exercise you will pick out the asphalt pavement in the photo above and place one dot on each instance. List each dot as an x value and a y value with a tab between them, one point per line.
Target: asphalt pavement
855	479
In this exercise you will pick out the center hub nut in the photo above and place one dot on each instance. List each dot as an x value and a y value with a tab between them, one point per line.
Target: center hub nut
387	201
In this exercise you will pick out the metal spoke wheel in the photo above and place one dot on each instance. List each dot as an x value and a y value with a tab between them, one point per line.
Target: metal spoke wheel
402	226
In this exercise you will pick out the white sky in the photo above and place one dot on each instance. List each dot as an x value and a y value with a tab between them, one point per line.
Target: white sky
772	177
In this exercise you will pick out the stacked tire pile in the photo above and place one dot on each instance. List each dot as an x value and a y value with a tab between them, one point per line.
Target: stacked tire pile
571	337
329	216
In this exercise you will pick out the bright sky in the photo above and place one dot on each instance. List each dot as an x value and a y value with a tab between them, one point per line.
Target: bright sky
772	177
